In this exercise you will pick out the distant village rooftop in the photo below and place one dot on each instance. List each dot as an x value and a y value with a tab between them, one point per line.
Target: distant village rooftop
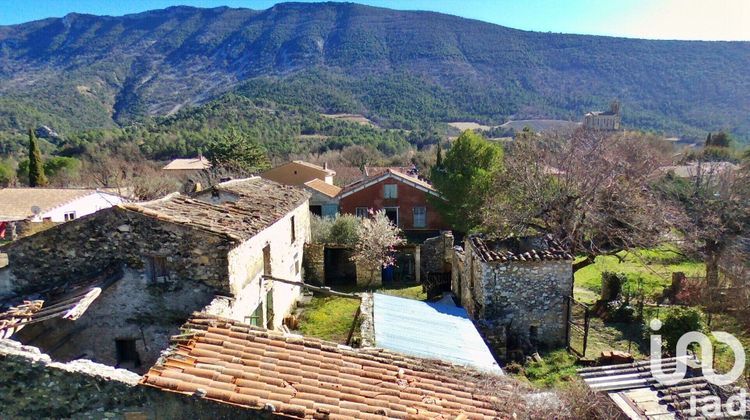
189	164
17	203
323	187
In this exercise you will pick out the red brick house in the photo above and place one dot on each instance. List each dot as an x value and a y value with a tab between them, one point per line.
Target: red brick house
403	197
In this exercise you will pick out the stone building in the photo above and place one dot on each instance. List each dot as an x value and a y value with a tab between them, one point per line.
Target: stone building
115	285
517	289
603	120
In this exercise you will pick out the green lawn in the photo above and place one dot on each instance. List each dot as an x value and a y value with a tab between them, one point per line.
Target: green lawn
653	267
329	318
406	291
555	369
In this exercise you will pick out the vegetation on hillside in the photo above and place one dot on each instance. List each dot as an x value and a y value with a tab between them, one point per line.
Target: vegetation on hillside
401	69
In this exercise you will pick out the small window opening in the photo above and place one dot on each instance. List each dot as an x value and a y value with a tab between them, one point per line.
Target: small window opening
69	216
158	269
534	334
127	354
267	260
269	309
294	234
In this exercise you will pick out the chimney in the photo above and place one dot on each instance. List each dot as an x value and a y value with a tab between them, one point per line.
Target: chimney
325	165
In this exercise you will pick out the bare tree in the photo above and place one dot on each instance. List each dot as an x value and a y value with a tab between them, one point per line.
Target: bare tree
138	179
377	239
588	189
714	205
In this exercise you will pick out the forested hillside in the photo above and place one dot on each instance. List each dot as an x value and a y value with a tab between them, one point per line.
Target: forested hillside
400	69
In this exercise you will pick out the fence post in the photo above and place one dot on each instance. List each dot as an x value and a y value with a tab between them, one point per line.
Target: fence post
585	329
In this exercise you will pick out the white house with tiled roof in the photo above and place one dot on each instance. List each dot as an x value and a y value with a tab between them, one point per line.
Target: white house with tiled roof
53	204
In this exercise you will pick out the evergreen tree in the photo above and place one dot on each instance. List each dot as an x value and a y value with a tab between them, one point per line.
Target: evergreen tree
439	157
464	180
236	152
36	166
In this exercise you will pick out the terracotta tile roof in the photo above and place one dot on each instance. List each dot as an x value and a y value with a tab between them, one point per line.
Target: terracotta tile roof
16	203
322	187
260	203
518	249
300	377
190	164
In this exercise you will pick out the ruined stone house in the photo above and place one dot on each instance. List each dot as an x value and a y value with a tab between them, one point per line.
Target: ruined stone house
113	286
517	289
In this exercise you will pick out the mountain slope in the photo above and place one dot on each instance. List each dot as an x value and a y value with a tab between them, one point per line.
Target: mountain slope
399	68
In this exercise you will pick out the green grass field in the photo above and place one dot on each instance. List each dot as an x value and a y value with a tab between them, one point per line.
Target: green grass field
330	318
652	267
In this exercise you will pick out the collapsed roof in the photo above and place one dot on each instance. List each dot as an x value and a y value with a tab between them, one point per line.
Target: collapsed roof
541	248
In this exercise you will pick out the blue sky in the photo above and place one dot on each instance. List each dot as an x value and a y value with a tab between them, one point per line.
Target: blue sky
654	19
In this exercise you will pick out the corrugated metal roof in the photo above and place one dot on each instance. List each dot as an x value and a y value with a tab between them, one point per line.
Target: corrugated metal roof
433	330
635	390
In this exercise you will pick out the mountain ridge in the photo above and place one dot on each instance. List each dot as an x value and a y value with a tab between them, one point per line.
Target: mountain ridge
119	69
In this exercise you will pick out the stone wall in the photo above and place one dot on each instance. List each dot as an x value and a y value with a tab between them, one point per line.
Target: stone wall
313	262
369	277
77	250
470	290
246	267
436	254
33	386
132	308
530	297
524	302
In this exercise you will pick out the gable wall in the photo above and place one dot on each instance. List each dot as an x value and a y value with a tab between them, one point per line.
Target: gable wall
294	174
408	198
82	206
246	268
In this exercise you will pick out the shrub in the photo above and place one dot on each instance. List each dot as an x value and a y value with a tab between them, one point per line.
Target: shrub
320	229
340	230
344	230
678	322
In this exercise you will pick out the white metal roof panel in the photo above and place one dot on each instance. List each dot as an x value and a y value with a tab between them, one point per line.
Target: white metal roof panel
431	330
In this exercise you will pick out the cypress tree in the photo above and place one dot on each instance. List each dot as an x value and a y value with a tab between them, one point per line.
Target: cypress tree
36	166
439	157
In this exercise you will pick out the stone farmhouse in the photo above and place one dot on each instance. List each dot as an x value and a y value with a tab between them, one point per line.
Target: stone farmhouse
518	290
113	286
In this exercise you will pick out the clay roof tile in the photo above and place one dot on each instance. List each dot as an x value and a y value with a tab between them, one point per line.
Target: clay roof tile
314	380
